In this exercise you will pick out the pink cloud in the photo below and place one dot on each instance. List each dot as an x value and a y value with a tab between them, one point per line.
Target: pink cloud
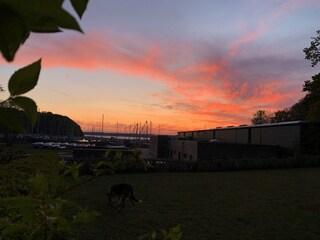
203	88
265	23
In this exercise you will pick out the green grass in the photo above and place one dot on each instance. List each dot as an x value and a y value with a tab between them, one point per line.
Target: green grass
260	204
265	204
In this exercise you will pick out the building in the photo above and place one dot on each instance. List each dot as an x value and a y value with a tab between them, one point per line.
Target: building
244	140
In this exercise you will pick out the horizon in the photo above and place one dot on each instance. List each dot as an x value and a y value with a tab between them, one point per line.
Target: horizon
180	65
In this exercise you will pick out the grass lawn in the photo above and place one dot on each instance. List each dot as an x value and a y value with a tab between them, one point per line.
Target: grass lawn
262	204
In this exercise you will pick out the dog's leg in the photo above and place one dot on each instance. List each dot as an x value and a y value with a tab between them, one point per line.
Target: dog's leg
121	201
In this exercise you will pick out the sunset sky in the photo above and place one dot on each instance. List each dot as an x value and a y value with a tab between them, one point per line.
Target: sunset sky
181	64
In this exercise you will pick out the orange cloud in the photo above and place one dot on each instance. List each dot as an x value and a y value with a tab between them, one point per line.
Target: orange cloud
202	87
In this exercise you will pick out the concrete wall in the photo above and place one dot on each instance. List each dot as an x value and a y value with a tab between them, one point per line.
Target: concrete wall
183	150
158	146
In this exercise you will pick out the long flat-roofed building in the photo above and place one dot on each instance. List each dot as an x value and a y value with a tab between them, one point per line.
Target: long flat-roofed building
229	141
284	134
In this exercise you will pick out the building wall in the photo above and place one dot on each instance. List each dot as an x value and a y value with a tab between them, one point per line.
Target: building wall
286	136
183	150
188	134
242	135
209	134
158	147
226	135
203	135
209	151
181	134
256	135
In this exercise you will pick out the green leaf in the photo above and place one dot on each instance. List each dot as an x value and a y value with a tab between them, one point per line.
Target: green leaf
164	233
107	154
79	166
176	229
65	20
26	206
3	223
64	226
13	229
28	105
73	170
62	164
13	32
43	15
153	235
85	217
144	236
39	184
67	171
10	118
80	6
101	164
24	79
118	155
100	172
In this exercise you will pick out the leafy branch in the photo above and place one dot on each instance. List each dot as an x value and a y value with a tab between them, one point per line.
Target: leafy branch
18	19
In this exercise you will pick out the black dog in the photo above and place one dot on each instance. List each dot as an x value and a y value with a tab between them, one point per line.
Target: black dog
122	191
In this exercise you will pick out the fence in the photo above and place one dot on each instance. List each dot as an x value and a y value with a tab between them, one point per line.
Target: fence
222	164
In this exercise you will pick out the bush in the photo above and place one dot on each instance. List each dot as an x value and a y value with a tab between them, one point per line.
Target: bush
15	176
128	163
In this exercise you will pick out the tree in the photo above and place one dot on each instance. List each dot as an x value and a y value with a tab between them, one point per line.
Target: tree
312	87
281	116
312	53
299	110
261	117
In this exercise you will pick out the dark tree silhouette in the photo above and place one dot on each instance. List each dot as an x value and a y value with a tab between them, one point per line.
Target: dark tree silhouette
312	53
312	87
261	117
47	124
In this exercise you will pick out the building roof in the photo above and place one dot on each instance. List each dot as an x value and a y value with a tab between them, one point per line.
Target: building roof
252	126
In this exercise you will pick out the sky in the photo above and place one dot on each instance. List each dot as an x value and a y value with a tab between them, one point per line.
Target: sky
178	65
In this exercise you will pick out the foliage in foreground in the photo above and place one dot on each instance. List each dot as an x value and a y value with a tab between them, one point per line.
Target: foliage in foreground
31	190
18	19
126	163
30	203
39	216
174	233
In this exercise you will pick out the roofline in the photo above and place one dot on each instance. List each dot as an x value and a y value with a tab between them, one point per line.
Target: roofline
291	123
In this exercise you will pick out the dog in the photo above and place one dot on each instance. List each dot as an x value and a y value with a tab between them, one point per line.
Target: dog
122	191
